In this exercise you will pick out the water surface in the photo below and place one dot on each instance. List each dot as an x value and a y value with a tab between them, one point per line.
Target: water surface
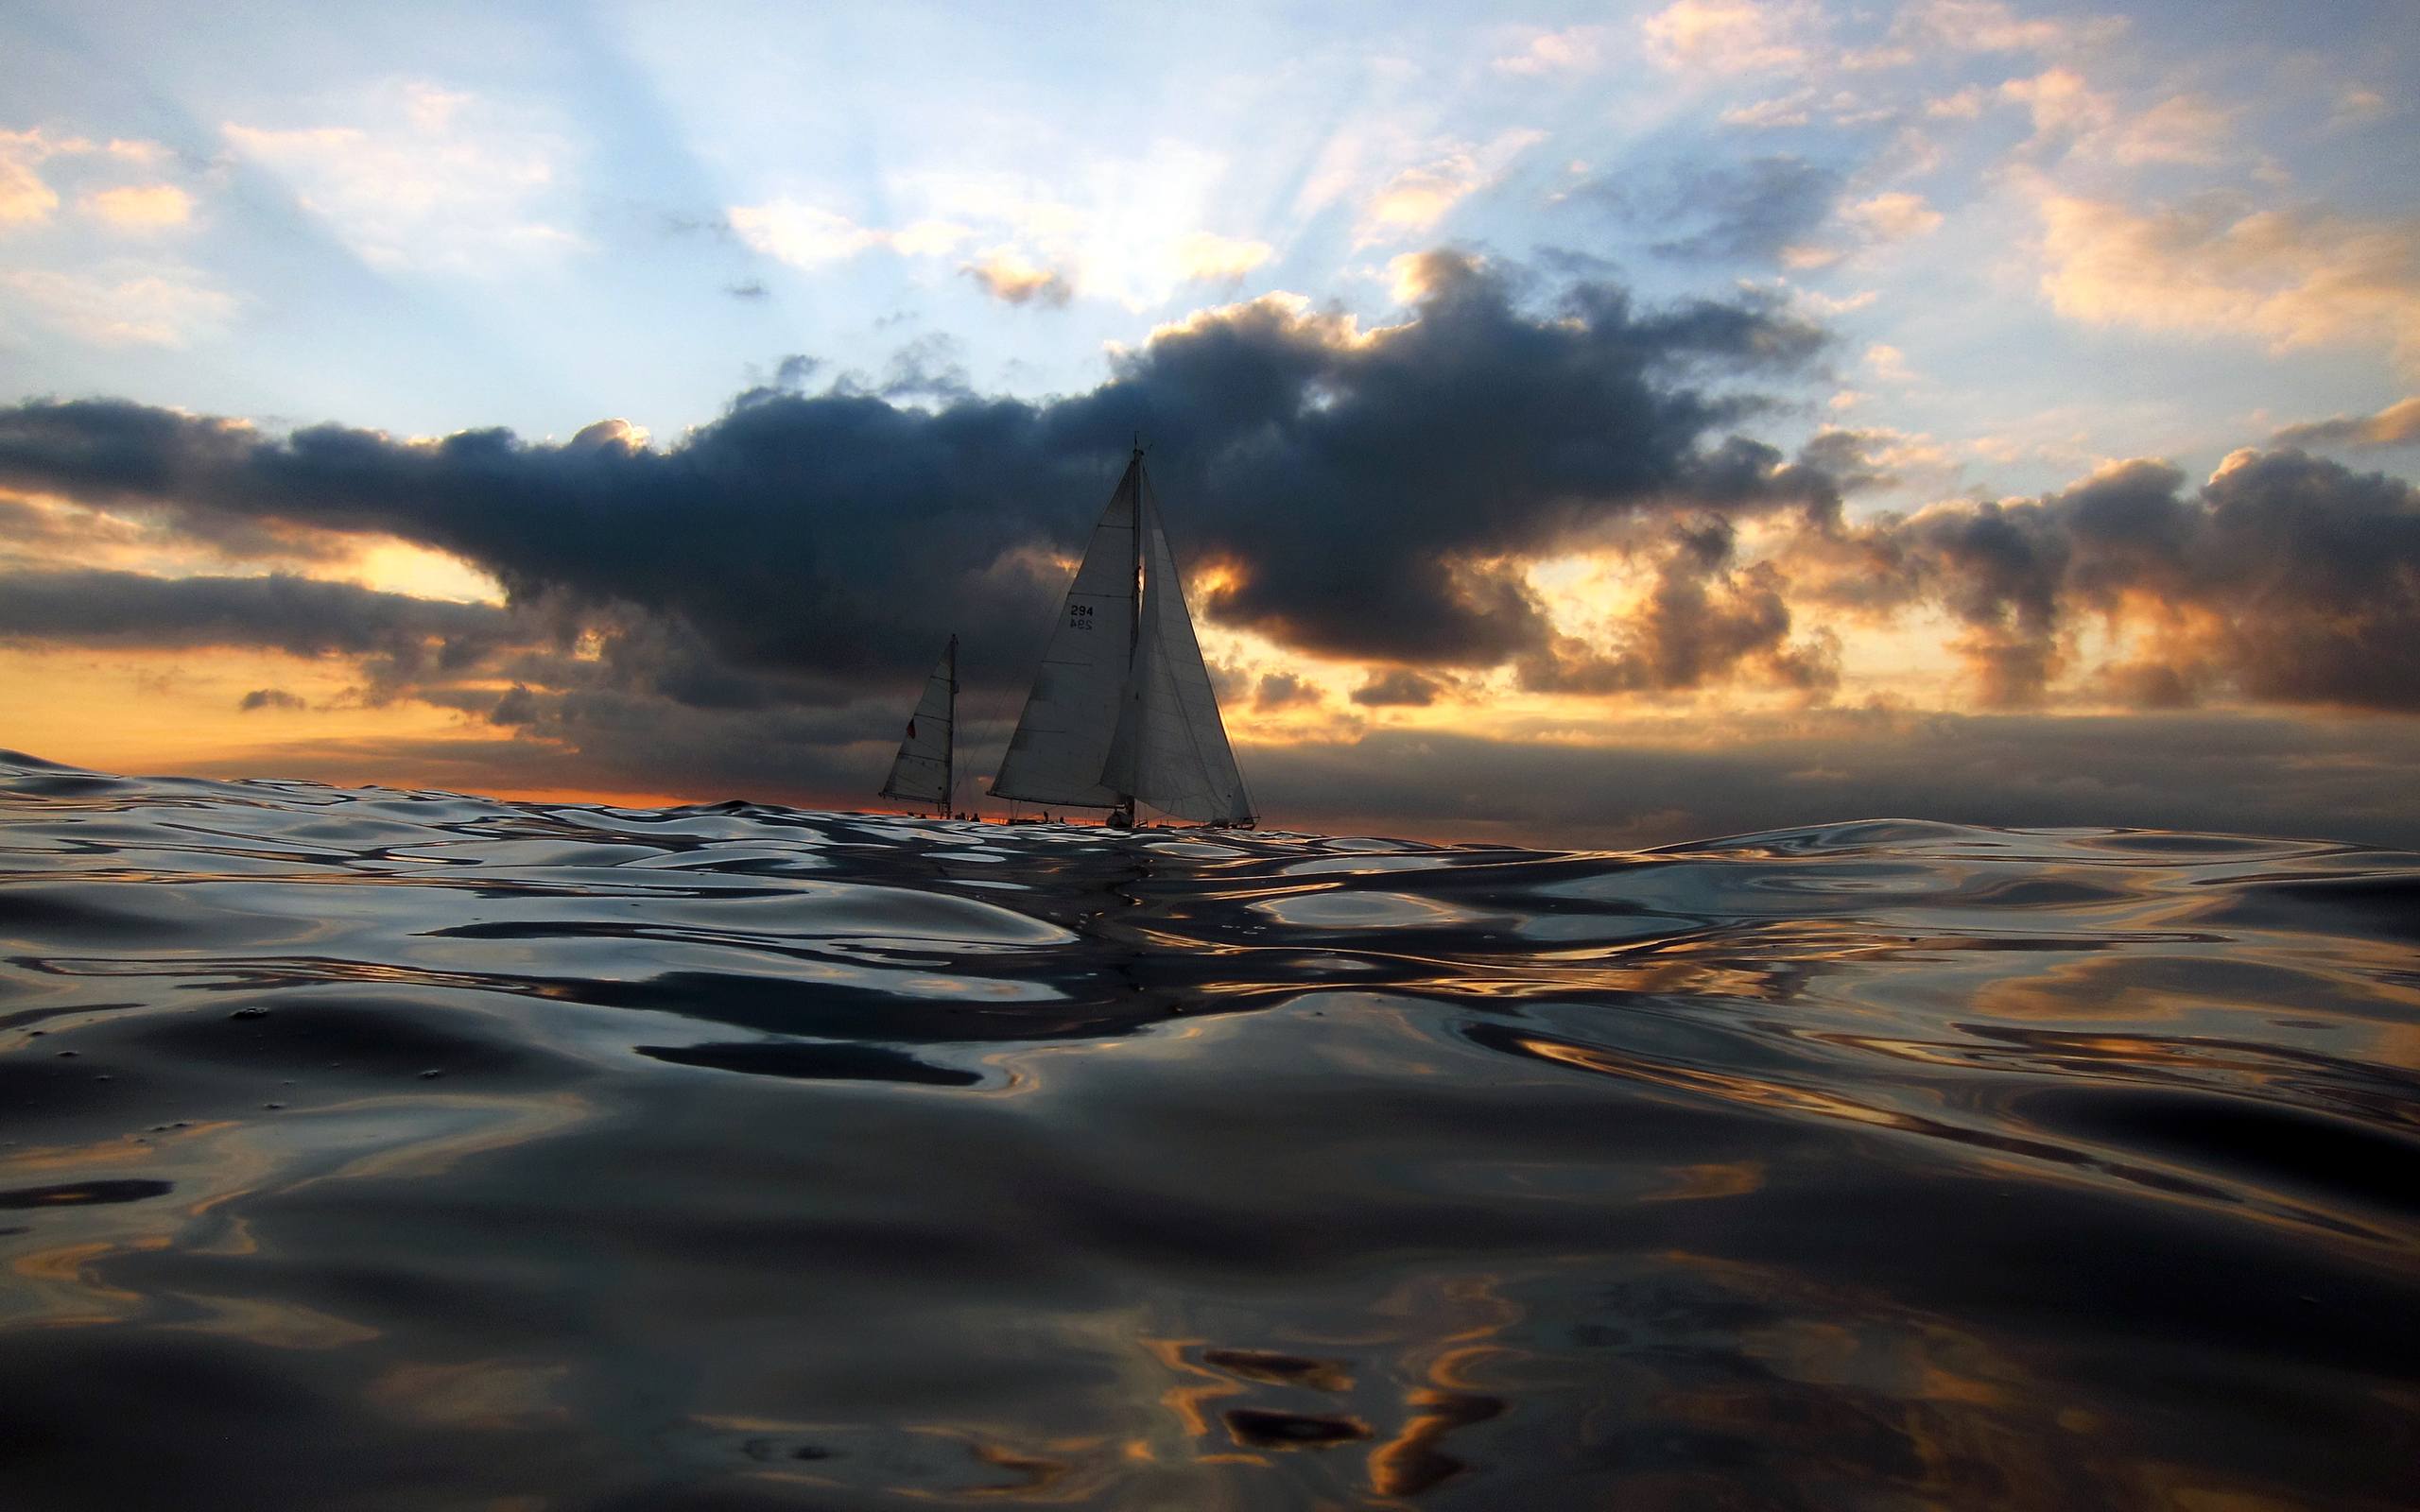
378	1149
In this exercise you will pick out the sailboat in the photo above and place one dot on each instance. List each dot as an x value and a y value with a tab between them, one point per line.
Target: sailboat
1122	712
923	771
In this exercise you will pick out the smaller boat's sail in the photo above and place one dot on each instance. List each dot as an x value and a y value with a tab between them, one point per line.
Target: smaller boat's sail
920	772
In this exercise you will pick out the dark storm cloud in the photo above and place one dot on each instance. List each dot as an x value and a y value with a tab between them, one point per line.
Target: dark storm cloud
743	611
1283	689
1377	494
1367	492
300	615
518	706
1847	458
402	642
1398	688
2286	579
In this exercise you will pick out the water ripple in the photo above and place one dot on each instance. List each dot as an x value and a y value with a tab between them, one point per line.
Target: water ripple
368	1147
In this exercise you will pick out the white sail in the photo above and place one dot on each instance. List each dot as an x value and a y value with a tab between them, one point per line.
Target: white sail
920	772
1171	750
1061	742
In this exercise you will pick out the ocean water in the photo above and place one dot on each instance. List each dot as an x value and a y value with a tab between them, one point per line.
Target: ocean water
369	1149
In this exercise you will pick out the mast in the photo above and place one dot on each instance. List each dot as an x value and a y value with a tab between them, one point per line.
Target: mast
1135	625
949	752
1134	621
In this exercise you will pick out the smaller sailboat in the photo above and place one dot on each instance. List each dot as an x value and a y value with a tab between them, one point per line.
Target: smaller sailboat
923	773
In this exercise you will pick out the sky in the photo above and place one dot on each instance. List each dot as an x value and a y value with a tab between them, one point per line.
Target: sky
1579	424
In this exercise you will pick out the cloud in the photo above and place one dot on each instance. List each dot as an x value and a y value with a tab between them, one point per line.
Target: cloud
1794	109
1038	250
425	179
400	640
809	236
1892	217
1777	210
121	303
2398	424
25	198
302	616
1398	688
1372	496
1283	689
801	236
740	608
1992	27
2357	107
141	207
614	432
1965	105
1888	364
269	698
1873	457
1747	37
29	198
1364	493
1204	257
1006	277
2286	579
1757	210
1418	197
2070	116
1706	619
1572	50
1730	36
2215	266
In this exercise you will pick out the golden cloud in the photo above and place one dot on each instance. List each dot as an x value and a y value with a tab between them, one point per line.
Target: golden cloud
1893	217
25	198
1204	256
1572	50
1418	197
1005	275
425	178
1728	35
2289	278
123	304
141	207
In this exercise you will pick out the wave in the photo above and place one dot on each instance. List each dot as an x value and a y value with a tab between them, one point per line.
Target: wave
411	1148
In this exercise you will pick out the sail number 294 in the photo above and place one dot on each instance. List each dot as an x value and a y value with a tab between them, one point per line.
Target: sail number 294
1080	616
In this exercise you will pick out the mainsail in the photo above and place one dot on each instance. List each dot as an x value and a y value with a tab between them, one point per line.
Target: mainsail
1122	710
920	772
